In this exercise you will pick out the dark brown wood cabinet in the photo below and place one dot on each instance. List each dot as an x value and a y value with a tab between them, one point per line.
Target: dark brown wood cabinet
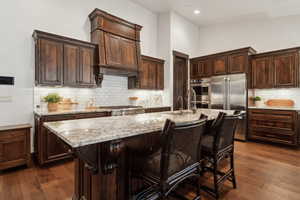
86	67
62	61
262	73
118	41
14	146
49	62
201	68
48	147
285	70
276	69
71	60
237	63
229	62
158	109
151	75
220	65
278	126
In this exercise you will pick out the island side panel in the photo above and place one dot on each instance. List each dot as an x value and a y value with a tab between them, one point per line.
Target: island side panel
113	185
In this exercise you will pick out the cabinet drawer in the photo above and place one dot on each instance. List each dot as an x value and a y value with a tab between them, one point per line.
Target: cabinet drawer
161	109
272	116
266	136
92	115
59	118
8	135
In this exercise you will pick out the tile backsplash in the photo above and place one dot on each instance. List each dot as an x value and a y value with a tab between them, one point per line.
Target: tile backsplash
281	93
114	91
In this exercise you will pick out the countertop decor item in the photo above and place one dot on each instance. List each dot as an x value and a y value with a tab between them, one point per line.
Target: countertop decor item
280	103
52	99
133	100
257	101
66	104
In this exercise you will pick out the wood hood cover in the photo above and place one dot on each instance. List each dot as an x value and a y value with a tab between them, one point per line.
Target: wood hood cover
118	44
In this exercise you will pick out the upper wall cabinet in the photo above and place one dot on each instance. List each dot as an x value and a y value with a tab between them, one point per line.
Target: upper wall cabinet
276	69
118	41
62	61
220	65
262	73
151	75
230	62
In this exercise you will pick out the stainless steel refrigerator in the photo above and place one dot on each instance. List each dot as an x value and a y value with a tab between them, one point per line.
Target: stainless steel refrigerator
230	93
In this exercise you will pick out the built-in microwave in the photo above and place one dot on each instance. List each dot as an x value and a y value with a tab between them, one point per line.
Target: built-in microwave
202	90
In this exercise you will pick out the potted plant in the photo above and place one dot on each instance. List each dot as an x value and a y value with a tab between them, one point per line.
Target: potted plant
257	100
52	99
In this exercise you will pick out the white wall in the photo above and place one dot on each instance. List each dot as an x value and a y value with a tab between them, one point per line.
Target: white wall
18	19
175	33
263	35
184	35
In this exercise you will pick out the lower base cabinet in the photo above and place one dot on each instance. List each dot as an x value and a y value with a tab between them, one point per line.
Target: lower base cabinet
14	146
49	148
277	126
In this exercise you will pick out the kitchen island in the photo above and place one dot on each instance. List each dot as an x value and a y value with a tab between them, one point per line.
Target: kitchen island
100	148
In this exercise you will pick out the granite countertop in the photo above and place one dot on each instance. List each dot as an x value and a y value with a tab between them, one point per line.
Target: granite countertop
45	112
83	132
275	108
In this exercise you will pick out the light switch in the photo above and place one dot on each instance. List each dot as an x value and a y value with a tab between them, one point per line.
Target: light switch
5	99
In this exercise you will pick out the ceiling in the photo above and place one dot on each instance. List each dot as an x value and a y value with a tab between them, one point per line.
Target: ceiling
224	11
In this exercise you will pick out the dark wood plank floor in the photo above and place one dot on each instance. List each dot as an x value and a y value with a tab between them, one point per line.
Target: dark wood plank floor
263	172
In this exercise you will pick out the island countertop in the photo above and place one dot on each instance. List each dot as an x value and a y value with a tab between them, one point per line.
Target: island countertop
84	132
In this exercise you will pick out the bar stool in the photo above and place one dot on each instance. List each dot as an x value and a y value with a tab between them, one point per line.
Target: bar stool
176	160
218	145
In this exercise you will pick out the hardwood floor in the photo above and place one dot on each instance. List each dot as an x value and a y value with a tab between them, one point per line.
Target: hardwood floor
263	172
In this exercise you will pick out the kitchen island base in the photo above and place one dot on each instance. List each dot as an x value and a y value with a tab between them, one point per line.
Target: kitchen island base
106	177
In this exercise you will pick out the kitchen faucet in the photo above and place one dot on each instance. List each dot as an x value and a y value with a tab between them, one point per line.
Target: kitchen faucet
180	102
193	101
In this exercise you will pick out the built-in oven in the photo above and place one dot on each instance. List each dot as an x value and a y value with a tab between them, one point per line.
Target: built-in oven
202	92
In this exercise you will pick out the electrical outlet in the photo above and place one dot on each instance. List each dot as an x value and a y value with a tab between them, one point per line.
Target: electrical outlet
5	99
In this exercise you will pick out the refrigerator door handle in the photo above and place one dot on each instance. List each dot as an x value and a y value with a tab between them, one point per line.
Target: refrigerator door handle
228	94
225	95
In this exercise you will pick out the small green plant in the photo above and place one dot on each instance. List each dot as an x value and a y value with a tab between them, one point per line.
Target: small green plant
256	98
52	98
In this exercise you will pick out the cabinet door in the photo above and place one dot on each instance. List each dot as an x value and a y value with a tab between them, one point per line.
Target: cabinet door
285	70
113	50
194	70
237	63
220	65
152	75
86	69
160	77
55	149
262	73
71	65
129	54
204	68
13	150
144	74
50	62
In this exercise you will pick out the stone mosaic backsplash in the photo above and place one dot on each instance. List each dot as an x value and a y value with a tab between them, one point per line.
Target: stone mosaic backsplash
114	92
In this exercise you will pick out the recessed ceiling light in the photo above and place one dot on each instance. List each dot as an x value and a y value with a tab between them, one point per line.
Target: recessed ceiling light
196	12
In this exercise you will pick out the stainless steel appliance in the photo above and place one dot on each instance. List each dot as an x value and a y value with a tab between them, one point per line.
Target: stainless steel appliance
202	91
230	93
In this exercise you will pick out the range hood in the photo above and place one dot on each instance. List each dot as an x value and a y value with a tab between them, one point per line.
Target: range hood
118	44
